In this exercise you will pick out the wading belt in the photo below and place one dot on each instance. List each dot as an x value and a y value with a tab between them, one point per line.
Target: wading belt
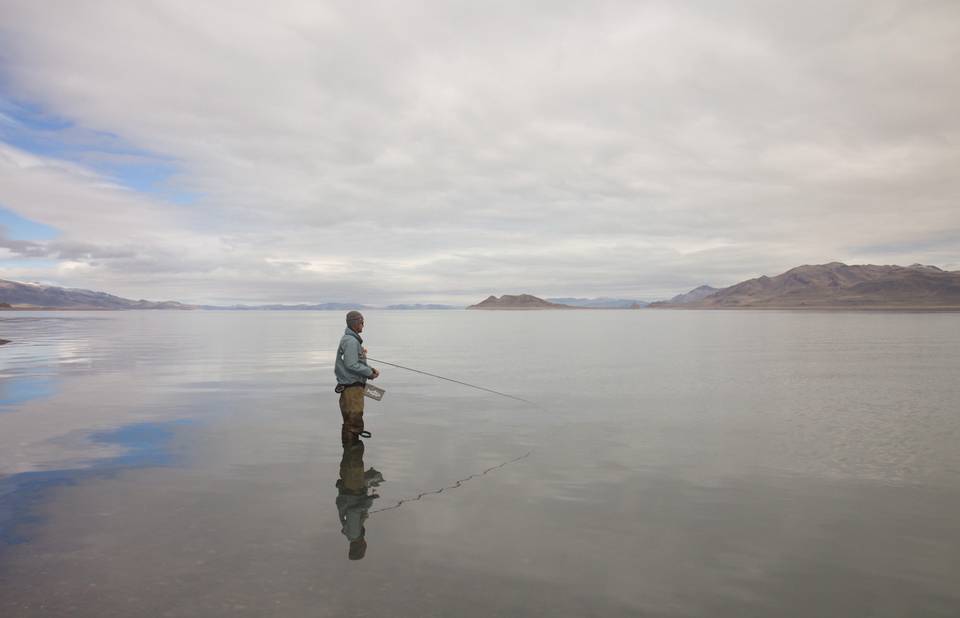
342	387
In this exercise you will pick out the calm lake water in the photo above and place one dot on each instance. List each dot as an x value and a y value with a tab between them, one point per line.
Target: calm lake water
679	463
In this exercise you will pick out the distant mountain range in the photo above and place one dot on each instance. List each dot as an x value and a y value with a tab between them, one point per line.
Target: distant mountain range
27	295
600	303
20	295
418	307
837	286
326	307
275	307
826	286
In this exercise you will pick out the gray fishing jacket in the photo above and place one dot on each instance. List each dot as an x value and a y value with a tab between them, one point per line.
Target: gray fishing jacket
351	365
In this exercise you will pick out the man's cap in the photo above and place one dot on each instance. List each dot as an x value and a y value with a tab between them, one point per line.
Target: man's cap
354	316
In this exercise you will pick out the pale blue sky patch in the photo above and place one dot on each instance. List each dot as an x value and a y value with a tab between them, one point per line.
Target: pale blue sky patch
19	228
25	263
29	127
948	240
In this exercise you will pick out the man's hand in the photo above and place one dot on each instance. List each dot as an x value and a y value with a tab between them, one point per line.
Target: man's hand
376	374
364	351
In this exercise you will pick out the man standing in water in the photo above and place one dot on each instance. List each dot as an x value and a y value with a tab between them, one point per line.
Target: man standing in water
352	374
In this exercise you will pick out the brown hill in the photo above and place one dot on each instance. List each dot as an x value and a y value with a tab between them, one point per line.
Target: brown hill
839	286
693	295
521	302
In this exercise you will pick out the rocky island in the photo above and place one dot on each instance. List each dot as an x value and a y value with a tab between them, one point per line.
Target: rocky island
520	302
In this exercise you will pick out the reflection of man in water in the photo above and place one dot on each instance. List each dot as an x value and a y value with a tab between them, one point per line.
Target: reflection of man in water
354	498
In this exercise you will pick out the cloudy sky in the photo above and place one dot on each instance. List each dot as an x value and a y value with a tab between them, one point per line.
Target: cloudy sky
228	151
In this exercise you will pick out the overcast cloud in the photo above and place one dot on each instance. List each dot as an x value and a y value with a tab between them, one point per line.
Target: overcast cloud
442	151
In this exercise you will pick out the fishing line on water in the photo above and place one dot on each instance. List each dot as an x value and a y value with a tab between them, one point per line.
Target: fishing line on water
433	375
459	483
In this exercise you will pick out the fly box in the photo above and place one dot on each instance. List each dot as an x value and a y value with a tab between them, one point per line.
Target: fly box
373	392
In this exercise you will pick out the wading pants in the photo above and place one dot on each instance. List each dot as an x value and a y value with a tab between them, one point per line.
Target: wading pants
351	408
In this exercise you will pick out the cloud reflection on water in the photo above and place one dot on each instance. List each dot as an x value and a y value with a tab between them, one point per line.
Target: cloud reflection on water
142	444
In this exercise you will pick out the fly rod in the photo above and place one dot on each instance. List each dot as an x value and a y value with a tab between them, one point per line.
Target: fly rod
433	375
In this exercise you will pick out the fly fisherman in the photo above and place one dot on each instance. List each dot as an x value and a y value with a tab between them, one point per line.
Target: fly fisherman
352	374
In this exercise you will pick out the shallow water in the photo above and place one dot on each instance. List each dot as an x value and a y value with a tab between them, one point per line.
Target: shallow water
680	463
